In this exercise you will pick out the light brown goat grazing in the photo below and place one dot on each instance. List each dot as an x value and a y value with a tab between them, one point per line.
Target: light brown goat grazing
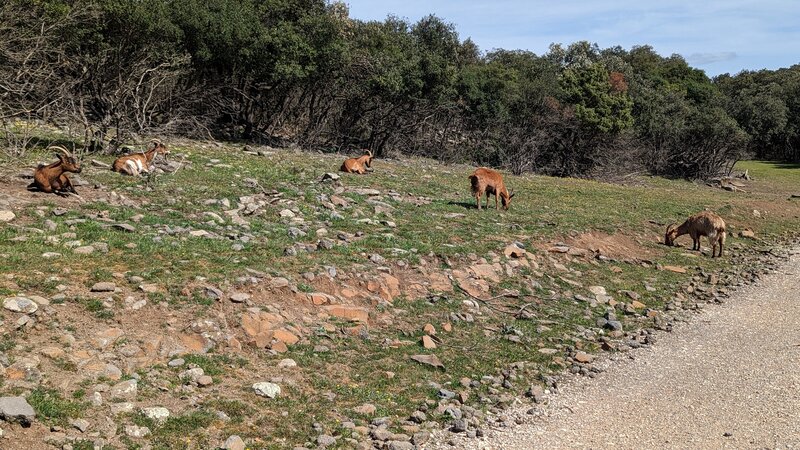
358	165
137	163
52	178
490	182
704	223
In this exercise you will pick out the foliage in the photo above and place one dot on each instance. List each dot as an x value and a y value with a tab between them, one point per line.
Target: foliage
303	72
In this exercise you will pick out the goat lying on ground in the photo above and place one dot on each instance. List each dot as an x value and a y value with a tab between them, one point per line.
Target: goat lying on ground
138	163
703	223
52	178
358	165
490	182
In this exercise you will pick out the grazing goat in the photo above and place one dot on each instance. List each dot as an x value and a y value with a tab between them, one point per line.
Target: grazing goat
52	178
358	165
703	223
137	163
491	182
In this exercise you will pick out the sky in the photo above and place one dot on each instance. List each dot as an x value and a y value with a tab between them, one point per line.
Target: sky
717	36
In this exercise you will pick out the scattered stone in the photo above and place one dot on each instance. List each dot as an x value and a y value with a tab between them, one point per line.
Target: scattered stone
428	342
124	227
325	440
16	409
366	409
431	360
234	443
136	432
330	176
747	233
104	286
266	389
240	297
514	251
205	380
287	363
80	424
85	250
125	389
156	413
20	305
7	216
675	269
583	357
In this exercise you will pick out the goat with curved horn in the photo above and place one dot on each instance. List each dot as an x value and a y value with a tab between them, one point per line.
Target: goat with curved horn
52	178
358	165
138	163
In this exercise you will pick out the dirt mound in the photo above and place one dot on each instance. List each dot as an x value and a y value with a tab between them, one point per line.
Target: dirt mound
614	245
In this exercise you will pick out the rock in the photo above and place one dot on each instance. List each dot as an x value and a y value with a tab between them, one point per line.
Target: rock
459	426
747	233
240	297
124	227
85	250
287	363
204	380
156	413
377	259
20	305
80	424
351	313
177	362
536	393
136	431
330	176
104	286
430	360
400	445
366	409
583	357
7	216
125	389
16	409
324	441
286	214
675	269
514	251
266	389
428	342
234	443
51	255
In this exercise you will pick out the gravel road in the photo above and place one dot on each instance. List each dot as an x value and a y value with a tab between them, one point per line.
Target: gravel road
728	379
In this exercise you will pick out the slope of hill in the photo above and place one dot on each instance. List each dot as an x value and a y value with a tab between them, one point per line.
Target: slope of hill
243	292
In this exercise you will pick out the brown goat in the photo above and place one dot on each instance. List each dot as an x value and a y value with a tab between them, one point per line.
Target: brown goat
52	178
704	223
490	182
137	163
358	165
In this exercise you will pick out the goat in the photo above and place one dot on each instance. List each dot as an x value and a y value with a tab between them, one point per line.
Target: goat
704	223
358	165
52	178
137	163
490	182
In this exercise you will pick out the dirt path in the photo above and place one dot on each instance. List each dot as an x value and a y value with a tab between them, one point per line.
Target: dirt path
728	379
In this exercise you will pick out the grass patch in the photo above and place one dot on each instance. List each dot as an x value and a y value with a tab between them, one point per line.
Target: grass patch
52	408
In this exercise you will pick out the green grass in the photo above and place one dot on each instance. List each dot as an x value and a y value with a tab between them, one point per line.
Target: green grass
446	225
52	408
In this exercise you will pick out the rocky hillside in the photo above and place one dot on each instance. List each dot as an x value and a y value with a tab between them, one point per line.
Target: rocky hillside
254	298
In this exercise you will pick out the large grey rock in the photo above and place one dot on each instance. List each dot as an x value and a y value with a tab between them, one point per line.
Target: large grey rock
21	305
266	389
16	409
234	443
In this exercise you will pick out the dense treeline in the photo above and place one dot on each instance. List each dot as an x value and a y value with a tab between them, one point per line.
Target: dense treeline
302	71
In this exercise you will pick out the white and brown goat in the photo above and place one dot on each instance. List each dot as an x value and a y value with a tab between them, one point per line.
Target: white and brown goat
137	163
52	178
358	165
704	223
490	181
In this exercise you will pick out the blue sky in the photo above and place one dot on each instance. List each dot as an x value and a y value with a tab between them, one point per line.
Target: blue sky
716	36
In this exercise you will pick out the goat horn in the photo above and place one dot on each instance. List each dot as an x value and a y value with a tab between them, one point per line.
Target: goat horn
61	149
156	141
368	153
